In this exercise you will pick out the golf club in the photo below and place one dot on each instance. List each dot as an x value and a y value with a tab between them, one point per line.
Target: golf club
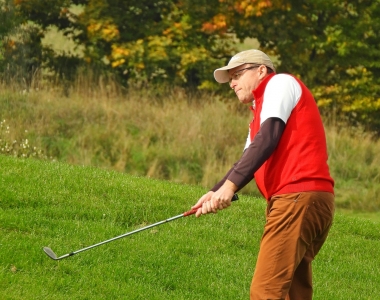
52	255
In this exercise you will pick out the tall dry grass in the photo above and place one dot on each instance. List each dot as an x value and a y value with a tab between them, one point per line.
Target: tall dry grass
354	159
173	135
184	138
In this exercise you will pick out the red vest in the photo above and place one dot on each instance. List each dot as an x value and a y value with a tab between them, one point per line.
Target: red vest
299	163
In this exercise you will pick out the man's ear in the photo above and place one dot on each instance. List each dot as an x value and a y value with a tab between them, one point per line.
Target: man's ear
263	71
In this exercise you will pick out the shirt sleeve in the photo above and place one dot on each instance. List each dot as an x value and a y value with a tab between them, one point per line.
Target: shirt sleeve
221	182
281	95
263	145
261	148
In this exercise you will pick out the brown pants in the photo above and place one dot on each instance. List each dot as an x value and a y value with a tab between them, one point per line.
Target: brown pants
296	228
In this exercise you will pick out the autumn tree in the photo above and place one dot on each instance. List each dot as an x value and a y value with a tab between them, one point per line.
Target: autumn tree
334	46
173	41
156	41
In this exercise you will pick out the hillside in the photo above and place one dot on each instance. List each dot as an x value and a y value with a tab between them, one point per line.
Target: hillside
69	207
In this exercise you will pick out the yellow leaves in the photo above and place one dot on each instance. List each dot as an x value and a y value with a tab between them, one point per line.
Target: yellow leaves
363	103
324	102
177	25
117	62
240	6
303	20
118	55
140	66
110	32
249	11
207	85
357	71
189	58
193	56
325	95
94	27
118	51
127	55
218	23
106	31
167	31
354	97
376	103
250	8
157	50
177	29
157	47
261	6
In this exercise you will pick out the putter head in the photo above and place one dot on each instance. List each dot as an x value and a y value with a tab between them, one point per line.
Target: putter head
50	253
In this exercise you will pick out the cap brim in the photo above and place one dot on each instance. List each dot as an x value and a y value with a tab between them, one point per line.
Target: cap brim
221	75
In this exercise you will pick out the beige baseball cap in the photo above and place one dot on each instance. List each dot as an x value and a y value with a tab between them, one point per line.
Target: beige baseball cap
252	56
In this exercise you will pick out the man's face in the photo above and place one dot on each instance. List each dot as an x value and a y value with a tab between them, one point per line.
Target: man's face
244	79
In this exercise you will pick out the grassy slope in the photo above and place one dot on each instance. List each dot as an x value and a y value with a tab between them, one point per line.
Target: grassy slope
69	207
177	138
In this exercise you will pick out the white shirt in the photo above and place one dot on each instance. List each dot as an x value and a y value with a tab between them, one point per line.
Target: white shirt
281	95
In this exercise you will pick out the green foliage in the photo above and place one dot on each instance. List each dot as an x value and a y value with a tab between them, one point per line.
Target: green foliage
165	41
23	55
8	16
332	45
46	13
1	54
154	42
8	21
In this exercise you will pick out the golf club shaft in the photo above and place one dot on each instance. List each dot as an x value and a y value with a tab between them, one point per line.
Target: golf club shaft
126	234
52	255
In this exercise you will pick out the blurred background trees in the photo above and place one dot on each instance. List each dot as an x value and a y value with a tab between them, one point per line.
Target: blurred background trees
333	46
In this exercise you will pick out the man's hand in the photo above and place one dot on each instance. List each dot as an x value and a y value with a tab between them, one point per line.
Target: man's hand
205	198
212	202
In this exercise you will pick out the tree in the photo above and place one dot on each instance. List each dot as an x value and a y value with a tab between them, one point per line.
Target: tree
333	45
9	21
155	41
25	24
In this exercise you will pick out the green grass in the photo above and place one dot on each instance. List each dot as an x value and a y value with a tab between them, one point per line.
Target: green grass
68	207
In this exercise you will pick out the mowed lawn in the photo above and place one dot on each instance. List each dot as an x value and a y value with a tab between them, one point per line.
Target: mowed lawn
66	207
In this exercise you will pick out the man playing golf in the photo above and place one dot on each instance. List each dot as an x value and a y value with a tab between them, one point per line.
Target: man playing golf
286	154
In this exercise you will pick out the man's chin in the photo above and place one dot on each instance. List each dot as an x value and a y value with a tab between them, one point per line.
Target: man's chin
245	101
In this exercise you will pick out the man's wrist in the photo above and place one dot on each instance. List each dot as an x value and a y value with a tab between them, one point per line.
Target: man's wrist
228	184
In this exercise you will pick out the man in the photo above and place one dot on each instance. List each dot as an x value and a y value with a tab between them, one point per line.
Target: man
286	153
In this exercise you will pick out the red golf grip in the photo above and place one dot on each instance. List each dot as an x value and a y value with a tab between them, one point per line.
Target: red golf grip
194	210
